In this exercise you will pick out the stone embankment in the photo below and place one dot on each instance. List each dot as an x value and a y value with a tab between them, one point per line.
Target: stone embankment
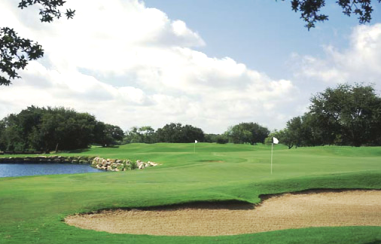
96	162
120	165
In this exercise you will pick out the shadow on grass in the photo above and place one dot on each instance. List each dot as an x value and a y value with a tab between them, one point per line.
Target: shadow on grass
231	205
374	242
78	150
114	146
88	149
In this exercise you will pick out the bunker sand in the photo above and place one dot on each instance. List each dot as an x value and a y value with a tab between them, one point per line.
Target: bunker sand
287	211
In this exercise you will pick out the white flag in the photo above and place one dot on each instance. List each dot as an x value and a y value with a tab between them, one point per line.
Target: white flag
275	141
195	141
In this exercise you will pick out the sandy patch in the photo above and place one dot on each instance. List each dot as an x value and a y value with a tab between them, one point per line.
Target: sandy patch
288	211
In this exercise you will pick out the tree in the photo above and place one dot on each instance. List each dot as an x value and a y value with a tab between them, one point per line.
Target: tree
283	136
310	10
345	115
216	138
65	129
293	133
176	133
107	135
350	114
144	134
45	129
247	133
148	134
301	131
15	52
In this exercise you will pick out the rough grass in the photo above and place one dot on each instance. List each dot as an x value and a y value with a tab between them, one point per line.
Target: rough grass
32	208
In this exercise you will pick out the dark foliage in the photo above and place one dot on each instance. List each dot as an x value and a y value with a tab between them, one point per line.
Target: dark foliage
15	52
252	133
310	10
107	135
46	129
50	9
173	133
346	115
178	133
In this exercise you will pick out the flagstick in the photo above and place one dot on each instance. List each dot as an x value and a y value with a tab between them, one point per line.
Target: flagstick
194	151
272	148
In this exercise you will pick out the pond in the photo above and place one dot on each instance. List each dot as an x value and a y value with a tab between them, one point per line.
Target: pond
12	170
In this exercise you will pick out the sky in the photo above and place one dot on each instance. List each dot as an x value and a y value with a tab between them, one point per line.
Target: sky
211	64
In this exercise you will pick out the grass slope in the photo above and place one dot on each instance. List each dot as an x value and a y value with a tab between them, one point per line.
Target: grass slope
32	208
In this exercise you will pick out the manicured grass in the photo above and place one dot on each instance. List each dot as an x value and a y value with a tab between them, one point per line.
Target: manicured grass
32	208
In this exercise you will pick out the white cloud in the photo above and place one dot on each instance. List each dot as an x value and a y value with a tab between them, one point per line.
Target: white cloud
171	81
360	62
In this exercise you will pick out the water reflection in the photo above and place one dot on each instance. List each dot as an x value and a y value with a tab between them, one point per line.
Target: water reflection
12	170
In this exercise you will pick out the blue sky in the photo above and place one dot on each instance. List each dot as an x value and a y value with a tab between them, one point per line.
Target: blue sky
211	64
262	34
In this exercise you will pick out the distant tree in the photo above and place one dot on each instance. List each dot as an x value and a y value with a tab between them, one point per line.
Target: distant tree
301	131
211	138
345	115
11	134
177	133
283	136
15	52
64	129
2	134
216	138
348	113
144	134
45	129
133	136
222	139
18	128
294	131
310	10
148	134
247	133
107	135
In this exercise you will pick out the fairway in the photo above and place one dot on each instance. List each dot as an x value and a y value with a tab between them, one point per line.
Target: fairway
32	209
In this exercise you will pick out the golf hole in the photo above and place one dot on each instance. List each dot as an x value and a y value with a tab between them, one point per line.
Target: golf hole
286	211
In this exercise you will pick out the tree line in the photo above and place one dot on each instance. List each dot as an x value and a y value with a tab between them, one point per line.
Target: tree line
251	133
172	133
345	115
51	129
48	129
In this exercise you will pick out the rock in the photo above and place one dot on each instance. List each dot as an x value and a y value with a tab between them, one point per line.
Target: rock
152	163
95	162
141	166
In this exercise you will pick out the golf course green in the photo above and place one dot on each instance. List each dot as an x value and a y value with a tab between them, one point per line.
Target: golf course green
32	209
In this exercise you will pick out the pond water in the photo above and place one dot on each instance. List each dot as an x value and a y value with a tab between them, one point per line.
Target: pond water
12	170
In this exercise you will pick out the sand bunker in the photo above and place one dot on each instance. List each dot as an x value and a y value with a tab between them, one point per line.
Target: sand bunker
288	211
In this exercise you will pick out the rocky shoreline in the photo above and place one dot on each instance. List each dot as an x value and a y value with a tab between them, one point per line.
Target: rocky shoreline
95	162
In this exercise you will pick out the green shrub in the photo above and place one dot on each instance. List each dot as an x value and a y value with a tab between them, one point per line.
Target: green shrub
222	140
134	165
127	167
